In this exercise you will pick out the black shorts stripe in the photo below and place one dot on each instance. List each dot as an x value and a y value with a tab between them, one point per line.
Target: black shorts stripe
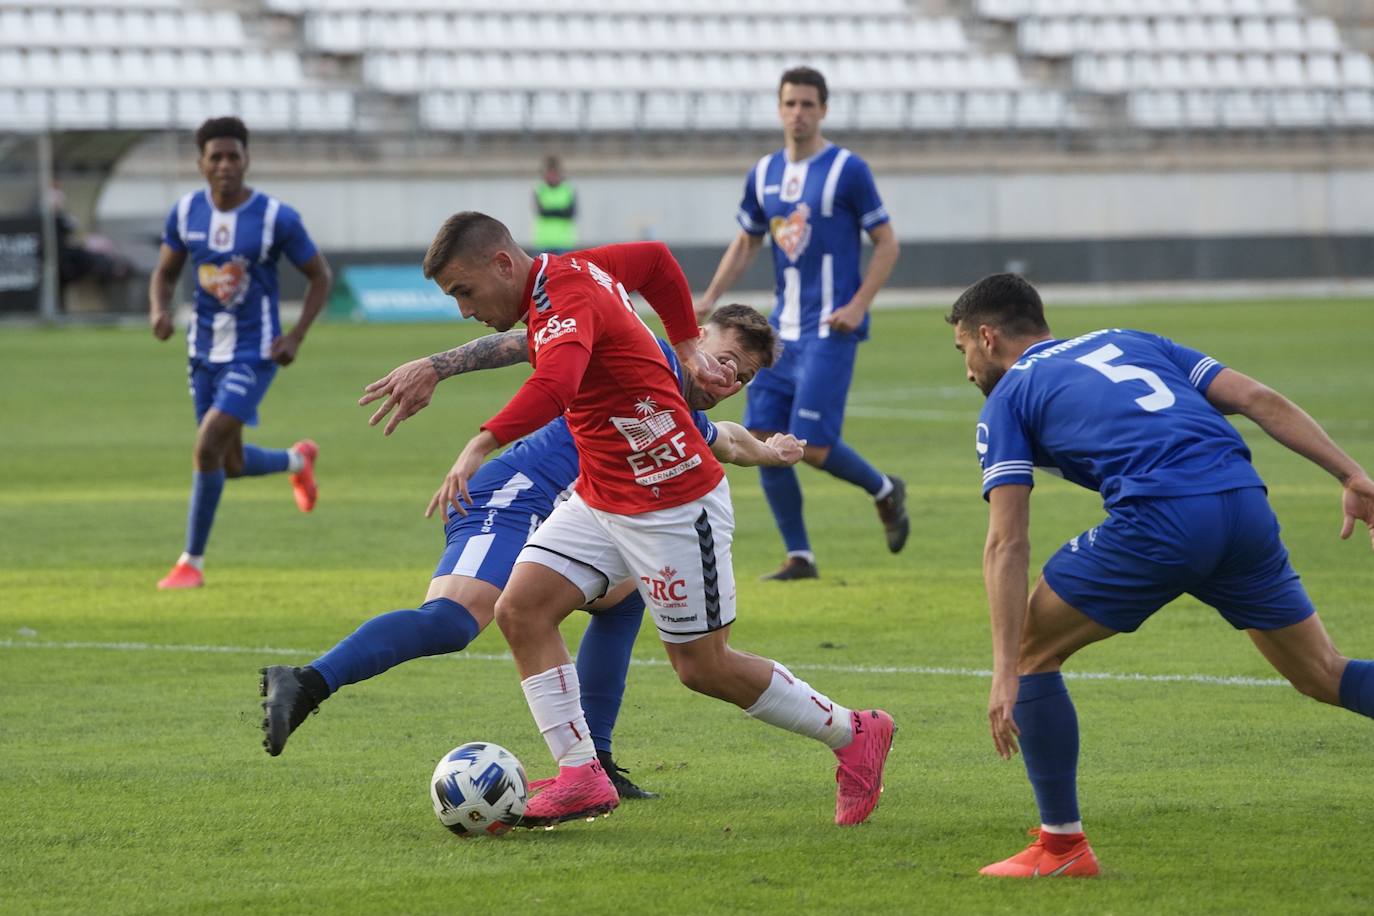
710	576
578	562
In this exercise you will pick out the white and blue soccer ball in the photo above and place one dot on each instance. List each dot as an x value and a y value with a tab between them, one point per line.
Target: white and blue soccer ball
479	789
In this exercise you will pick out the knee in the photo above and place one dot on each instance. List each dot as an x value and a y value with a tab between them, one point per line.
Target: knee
816	455
233	462
208	456
513	617
1037	655
698	672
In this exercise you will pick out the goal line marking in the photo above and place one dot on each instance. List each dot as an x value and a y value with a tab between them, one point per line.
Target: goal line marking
928	670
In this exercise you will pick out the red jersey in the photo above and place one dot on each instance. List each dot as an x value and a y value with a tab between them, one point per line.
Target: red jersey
597	363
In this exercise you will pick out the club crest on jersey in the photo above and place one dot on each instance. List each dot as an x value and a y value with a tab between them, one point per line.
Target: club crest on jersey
792	233
227	282
554	329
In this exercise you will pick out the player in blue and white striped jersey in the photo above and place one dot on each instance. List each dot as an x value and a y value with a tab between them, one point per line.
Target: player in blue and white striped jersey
234	236
1139	419
815	200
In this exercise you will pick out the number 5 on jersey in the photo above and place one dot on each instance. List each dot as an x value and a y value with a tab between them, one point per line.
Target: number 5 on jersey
1101	360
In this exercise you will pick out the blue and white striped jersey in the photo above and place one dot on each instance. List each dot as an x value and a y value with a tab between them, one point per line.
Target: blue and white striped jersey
814	211
1120	412
235	256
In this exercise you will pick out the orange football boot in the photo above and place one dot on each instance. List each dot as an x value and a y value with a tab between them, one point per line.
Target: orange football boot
183	575
303	481
1036	861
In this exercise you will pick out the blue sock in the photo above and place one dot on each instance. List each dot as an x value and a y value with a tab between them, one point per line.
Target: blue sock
258	461
783	491
1049	743
845	463
439	626
603	659
1357	687
206	487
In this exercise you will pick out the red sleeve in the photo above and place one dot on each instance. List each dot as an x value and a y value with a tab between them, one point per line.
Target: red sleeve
649	268
544	396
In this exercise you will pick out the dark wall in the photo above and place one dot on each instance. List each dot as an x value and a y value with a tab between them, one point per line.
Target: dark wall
955	264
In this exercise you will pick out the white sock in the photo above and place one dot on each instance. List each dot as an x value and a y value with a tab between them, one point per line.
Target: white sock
555	698
196	561
885	489
791	704
806	555
1075	827
295	461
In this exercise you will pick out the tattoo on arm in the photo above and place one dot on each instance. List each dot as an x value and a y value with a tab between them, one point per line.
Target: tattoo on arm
490	352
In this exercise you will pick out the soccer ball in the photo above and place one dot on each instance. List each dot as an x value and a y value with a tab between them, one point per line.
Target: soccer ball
479	788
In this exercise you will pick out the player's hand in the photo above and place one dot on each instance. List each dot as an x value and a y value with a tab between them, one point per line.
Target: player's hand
1000	703
703	310
407	389
786	448
284	349
710	375
848	318
1357	502
454	491
162	324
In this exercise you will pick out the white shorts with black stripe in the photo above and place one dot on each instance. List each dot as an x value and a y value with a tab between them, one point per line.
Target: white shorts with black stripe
680	557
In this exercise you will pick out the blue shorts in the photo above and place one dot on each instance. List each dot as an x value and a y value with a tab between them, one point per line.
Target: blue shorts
805	391
506	509
233	388
1221	548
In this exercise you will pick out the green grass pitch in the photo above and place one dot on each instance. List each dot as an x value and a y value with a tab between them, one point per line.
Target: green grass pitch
132	779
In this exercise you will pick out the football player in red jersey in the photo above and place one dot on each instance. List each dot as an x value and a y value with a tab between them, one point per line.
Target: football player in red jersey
651	504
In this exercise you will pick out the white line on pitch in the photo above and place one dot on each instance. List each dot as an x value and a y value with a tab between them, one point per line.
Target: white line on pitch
1225	680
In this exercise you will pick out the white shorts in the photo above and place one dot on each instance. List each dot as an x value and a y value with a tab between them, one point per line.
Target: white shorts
680	557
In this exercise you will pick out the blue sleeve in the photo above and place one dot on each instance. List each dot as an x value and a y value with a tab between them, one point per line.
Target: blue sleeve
751	216
292	239
861	194
1199	368
171	233
705	426
1004	448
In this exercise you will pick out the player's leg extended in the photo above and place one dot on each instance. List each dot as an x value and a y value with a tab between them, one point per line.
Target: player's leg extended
768	409
603	661
1048	725
818	417
1304	654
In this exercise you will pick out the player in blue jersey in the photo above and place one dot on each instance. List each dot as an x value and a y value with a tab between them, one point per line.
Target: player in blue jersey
814	200
1138	418
234	236
511	495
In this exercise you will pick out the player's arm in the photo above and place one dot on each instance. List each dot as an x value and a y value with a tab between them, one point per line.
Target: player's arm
743	248
162	287
885	252
1006	564
1234	392
650	269
736	445
319	279
409	387
544	396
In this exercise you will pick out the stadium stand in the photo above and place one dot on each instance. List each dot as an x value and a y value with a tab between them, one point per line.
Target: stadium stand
673	66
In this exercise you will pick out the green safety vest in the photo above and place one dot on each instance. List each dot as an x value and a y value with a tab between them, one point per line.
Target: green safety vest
553	226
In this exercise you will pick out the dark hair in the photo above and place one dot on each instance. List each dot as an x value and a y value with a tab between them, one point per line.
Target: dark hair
1005	301
805	76
215	128
754	331
464	234
552	163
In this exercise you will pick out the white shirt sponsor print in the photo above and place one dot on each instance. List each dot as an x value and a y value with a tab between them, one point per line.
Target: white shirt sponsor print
654	463
554	329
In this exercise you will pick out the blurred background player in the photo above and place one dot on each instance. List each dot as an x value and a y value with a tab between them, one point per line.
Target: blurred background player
814	199
234	236
555	210
513	494
1138	418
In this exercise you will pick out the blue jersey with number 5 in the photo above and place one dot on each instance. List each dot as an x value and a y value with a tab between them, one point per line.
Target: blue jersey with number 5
1120	412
